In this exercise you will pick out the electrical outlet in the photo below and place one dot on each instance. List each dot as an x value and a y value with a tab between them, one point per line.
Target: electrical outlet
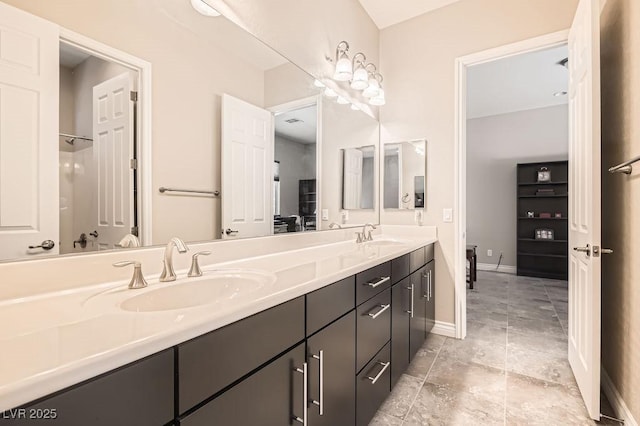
490	253
325	214
447	215
345	216
418	216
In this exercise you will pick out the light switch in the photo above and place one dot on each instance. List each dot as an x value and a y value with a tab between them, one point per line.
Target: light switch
325	214
447	215
418	217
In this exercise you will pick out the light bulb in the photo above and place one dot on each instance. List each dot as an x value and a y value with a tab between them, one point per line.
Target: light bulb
379	99
360	79
204	8
344	68
373	89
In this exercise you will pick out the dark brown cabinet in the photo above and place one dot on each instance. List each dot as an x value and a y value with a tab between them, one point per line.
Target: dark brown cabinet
400	323
273	396
331	355
430	311
373	385
417	323
373	322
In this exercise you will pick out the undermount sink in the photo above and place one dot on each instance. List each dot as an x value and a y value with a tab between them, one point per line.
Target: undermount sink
212	288
386	242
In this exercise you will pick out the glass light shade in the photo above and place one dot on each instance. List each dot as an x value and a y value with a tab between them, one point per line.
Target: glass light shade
360	79
342	101
204	8
330	93
373	88
344	68
379	99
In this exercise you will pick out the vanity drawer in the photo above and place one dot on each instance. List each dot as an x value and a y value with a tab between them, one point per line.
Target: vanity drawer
372	281
373	327
211	362
138	394
373	386
417	259
330	303
400	268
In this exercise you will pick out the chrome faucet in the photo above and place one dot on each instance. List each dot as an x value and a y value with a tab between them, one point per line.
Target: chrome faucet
334	225
168	274
366	236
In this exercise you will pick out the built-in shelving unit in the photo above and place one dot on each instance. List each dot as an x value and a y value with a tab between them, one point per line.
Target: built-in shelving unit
544	258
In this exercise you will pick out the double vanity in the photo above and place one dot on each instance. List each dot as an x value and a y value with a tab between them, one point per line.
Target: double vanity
316	335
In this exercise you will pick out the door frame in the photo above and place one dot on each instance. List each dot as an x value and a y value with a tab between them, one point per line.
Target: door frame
143	130
297	104
462	64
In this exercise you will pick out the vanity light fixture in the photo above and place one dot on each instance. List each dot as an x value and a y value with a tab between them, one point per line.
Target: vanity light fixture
330	93
374	85
360	78
344	67
379	99
342	101
318	83
204	8
355	107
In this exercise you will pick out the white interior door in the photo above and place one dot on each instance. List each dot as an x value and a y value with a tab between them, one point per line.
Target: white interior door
352	191
584	202
112	152
29	80
247	169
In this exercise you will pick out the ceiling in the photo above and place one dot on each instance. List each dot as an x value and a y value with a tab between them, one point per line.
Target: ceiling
517	83
389	12
302	131
71	56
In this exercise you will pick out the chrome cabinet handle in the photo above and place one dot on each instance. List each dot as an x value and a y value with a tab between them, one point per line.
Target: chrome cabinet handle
381	280
384	368
230	231
377	314
320	404
45	245
195	270
424	295
304	370
411	289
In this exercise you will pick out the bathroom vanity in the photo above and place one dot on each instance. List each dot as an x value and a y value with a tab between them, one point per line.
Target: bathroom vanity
336	330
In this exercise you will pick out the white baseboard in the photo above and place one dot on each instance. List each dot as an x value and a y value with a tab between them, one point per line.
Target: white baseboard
614	397
505	269
446	329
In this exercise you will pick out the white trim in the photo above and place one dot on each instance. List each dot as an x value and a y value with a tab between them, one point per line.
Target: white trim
446	329
460	146
144	133
489	267
617	403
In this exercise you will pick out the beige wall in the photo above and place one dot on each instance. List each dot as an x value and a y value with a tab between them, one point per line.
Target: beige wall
495	145
417	58
620	61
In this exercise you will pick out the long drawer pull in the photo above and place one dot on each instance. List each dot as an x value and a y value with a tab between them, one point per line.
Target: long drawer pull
385	365
380	281
411	289
377	314
304	370
320	404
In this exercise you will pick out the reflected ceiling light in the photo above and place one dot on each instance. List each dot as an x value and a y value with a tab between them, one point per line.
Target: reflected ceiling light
378	99
342	101
204	8
330	93
318	83
355	107
344	67
360	79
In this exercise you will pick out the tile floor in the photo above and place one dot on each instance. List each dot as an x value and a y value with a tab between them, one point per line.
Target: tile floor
512	368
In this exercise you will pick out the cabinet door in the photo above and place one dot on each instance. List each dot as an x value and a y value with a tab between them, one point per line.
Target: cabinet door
400	317
332	385
273	396
417	334
431	296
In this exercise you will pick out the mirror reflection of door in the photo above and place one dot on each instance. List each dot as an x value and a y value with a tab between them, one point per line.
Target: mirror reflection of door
358	170
96	149
295	155
405	175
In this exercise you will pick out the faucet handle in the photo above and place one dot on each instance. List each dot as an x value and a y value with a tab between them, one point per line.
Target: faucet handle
359	237
369	236
195	270
137	280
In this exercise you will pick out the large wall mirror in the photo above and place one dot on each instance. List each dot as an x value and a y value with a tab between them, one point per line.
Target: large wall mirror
404	183
140	104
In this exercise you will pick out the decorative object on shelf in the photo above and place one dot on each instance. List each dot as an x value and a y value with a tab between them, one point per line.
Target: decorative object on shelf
544	234
545	191
531	214
545	215
361	75
544	175
558	215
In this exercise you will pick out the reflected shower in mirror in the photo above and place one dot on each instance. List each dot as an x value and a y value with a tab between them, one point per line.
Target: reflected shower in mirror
405	175
358	171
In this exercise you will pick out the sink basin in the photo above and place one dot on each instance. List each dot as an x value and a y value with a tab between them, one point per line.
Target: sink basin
212	288
384	243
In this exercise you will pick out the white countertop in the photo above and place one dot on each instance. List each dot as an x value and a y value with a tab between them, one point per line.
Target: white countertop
56	339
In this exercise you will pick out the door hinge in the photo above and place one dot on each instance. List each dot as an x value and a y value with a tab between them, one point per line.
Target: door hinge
133	163
134	96
134	231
